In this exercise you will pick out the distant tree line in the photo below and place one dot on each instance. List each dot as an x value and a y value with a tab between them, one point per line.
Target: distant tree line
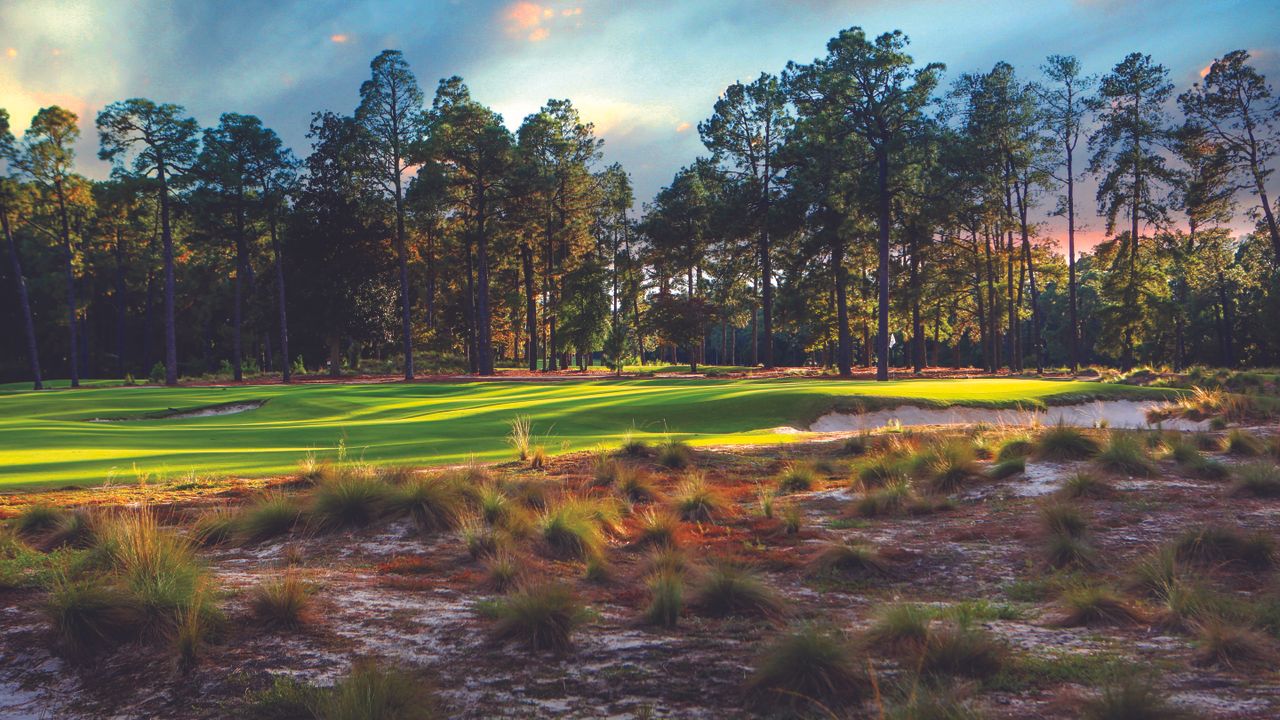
854	210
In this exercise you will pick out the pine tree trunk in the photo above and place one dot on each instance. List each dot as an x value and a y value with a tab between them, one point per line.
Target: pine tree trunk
24	304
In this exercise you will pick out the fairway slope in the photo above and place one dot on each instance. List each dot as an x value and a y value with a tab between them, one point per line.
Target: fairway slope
172	432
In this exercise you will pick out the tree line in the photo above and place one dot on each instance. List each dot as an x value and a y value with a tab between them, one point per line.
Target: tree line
852	210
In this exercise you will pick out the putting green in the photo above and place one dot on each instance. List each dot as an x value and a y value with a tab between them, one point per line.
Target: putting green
45	437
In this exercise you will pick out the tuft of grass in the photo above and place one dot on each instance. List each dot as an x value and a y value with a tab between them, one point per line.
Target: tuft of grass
1125	454
287	698
502	571
1243	443
1062	442
727	589
1063	551
1218	545
880	470
372	692
1092	605
696	501
1063	518
657	528
271	516
796	477
1233	645
947	468
1132	696
436	504
480	539
570	529
282	603
666	598
633	447
353	499
1209	469
78	529
216	527
667	559
1083	485
39	518
926	702
1156	571
961	649
538	458
856	444
900	628
809	667
492	504
1007	468
89	614
520	437
674	454
634	484
792	519
1018	446
539	617
849	558
892	499
1259	479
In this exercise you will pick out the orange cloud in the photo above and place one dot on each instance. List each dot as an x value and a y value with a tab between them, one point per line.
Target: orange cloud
525	15
534	21
11	52
339	38
1205	70
683	126
567	12
539	33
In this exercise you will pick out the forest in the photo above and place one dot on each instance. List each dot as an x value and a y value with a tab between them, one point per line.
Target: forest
862	209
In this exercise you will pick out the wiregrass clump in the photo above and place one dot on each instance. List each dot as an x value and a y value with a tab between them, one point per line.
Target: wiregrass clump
1258	479
726	589
695	500
539	617
849	558
810	667
282	603
1062	442
1125	454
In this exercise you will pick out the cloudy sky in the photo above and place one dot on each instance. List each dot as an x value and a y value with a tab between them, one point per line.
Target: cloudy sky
644	71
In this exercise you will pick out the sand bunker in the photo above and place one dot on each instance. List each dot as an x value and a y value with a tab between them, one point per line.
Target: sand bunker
1130	414
210	411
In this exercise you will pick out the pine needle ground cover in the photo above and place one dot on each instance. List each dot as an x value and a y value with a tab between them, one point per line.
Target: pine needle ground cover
48	438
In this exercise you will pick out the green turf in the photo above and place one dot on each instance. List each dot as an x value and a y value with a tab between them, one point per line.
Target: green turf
45	439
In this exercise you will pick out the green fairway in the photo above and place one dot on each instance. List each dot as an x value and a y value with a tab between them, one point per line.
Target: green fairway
45	437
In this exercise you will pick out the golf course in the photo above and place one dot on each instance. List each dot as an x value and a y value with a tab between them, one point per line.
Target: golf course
120	434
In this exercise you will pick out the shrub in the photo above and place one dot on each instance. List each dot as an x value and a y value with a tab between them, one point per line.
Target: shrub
435	503
1258	480
1231	645
353	499
948	467
696	501
1085	485
39	518
372	692
850	558
270	516
901	627
1125	454
657	528
1132	697
1062	442
964	650
1096	605
89	614
728	589
569	529
892	499
796	477
1007	468
666	598
1243	443
809	666
541	617
1213	544
674	454
283	603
